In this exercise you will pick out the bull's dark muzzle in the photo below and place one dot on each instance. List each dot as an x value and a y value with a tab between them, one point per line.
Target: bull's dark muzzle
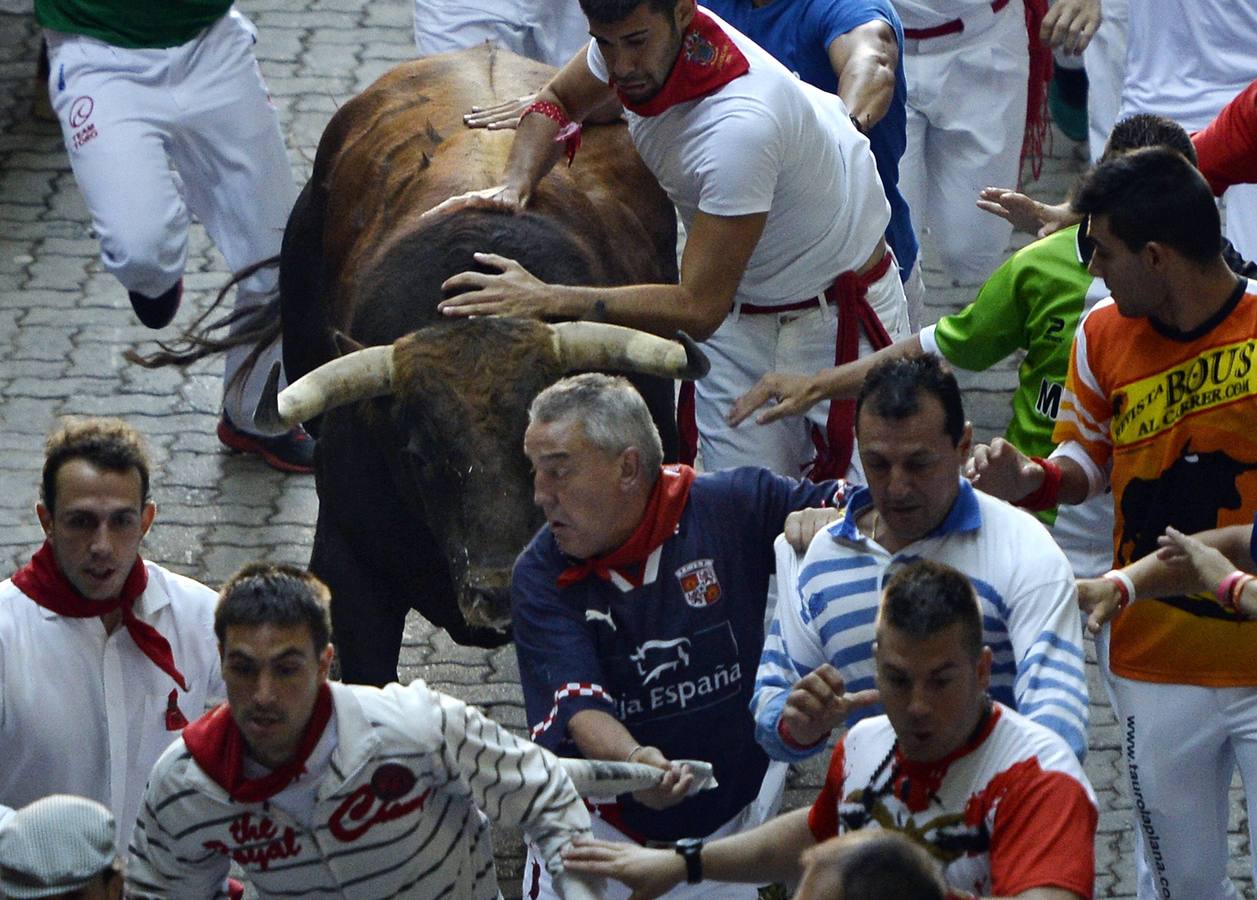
485	598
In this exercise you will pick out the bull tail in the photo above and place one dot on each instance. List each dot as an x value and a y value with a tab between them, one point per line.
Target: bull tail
257	326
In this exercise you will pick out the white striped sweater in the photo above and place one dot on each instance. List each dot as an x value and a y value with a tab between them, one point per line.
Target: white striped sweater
404	809
1024	585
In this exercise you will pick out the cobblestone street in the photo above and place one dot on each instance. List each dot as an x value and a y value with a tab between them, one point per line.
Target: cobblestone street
64	324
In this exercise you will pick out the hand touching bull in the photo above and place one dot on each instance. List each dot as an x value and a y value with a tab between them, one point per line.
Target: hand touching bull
510	291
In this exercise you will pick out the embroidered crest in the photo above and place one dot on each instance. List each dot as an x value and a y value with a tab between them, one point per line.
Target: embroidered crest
698	50
392	781
699	583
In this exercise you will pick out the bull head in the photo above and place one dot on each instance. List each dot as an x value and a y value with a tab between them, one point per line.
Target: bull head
459	394
368	373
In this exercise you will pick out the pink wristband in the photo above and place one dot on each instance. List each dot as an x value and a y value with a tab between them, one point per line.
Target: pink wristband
1229	590
1223	592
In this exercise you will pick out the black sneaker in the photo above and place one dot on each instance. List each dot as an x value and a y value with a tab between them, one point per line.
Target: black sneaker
156	312
289	452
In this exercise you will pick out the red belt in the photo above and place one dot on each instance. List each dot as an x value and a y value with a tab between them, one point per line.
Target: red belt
871	275
834	446
955	26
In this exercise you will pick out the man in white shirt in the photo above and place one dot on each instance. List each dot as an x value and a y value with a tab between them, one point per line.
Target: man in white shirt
318	789
104	657
784	266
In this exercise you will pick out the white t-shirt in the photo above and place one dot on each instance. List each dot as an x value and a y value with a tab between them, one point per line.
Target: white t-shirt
1188	60
767	142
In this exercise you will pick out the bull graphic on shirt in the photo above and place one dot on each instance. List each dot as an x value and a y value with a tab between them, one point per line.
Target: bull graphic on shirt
1188	495
654	658
946	836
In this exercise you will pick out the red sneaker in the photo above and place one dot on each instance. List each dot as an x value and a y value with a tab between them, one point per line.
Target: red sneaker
289	452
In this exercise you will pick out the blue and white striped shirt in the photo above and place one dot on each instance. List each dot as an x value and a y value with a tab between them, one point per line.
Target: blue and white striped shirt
1024	584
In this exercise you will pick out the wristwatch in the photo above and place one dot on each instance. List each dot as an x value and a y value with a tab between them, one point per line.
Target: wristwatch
691	850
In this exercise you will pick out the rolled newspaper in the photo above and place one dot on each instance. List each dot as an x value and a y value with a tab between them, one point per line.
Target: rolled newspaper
601	778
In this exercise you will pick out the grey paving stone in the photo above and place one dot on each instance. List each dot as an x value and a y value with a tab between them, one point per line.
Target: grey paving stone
64	323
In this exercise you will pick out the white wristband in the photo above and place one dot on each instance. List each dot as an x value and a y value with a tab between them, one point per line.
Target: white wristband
1122	578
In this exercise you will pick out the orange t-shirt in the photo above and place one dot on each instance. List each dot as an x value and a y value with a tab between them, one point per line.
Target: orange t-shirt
1172	417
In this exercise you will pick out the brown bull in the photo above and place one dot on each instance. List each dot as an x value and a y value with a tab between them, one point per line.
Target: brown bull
425	495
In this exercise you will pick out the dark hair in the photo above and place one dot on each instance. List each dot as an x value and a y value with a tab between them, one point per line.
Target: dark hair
264	593
109	444
1154	194
893	388
925	597
608	11
887	865
1146	130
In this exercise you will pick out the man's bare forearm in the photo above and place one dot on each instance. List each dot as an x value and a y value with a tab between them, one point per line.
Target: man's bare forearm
600	735
867	86
765	854
533	153
865	60
661	309
844	382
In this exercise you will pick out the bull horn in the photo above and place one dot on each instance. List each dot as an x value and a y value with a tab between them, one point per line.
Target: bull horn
598	345
356	376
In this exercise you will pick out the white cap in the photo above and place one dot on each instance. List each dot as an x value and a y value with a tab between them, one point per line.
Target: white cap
54	845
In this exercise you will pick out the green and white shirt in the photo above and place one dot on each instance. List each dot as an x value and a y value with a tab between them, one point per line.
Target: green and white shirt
1033	302
133	24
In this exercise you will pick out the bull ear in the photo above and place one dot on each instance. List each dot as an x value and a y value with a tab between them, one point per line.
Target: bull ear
345	344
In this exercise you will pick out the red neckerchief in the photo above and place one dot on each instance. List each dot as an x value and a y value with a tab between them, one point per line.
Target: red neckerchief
659	522
42	580
915	782
215	742
707	62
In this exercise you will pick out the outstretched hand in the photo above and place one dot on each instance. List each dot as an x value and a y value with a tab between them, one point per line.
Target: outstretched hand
788	394
1207	565
1026	213
803	524
1070	25
1100	599
511	291
499	116
649	872
499	196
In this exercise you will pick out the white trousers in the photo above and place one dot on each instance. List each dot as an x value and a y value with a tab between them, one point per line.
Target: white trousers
549	31
745	347
966	120
538	884
1105	62
1182	744
156	136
